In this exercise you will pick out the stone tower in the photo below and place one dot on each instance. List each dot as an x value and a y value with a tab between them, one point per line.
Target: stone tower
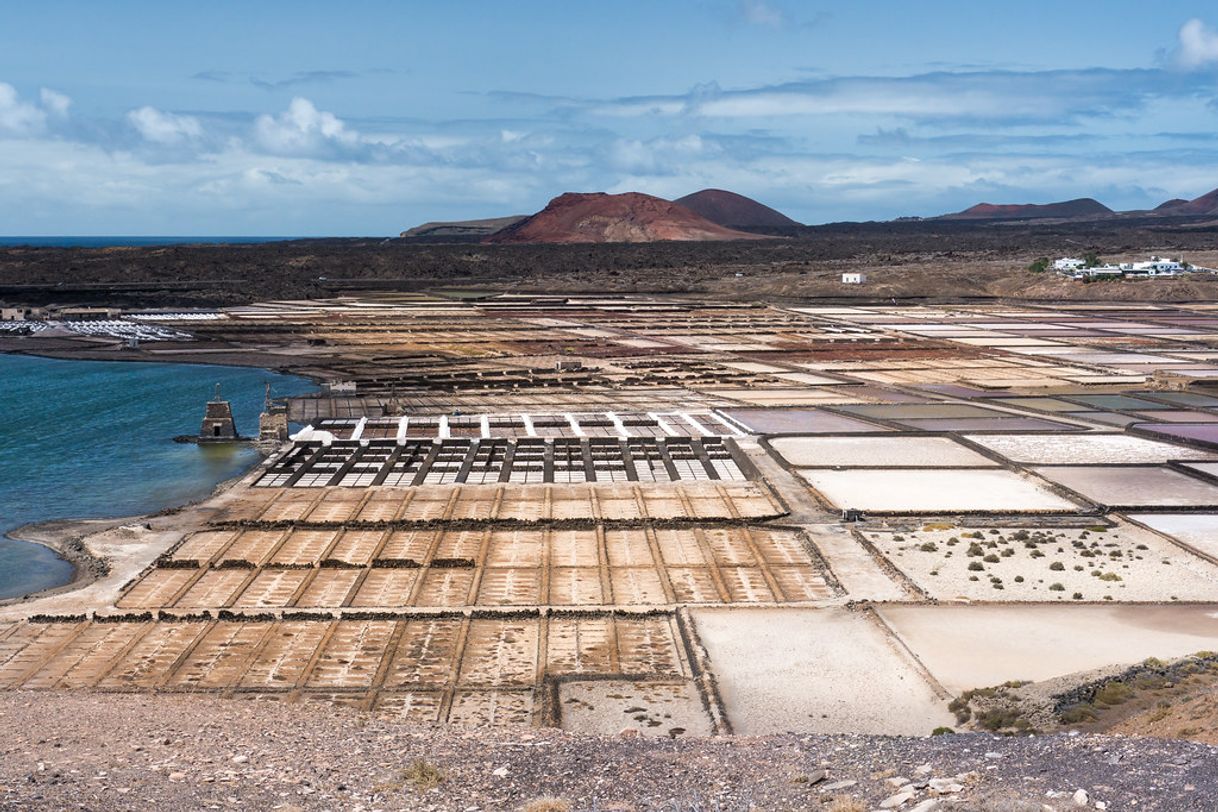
218	425
273	422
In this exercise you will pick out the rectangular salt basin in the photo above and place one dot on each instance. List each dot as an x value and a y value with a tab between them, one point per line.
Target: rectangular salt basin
1198	530
935	491
1134	485
1202	432
817	671
919	410
799	421
1084	449
1187	399
1041	404
1107	418
858	452
980	646
1122	563
1123	403
1179	416
989	424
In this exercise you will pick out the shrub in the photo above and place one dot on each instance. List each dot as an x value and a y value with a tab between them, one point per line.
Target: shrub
1057	566
942	731
1075	714
423	774
928	547
547	805
1112	693
1056	587
975	566
991	559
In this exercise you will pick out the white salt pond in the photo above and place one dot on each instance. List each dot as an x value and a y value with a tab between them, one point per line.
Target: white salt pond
1198	530
935	491
929	452
815	670
979	646
1084	449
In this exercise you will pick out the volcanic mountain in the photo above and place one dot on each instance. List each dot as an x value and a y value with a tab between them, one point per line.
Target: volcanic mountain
733	210
462	228
600	217
1080	208
1206	204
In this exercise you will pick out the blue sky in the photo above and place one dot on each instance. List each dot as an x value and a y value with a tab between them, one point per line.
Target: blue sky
366	117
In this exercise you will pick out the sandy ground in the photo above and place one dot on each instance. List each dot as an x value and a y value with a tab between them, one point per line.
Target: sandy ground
815	670
935	491
1125	563
976	646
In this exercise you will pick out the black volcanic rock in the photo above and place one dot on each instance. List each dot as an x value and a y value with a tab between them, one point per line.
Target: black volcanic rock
1083	207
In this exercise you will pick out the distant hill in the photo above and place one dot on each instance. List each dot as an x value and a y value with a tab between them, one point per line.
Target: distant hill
1082	207
733	210
462	228
601	218
1168	205
1206	204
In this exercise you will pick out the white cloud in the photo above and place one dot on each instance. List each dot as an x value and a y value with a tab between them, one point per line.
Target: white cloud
19	117
760	12
54	102
1198	45
164	128
302	129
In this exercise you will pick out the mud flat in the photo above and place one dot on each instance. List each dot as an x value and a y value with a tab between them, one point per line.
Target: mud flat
815	670
975	646
935	491
1123	563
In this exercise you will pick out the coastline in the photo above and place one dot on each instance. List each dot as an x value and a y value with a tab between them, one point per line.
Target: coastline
91	545
114	550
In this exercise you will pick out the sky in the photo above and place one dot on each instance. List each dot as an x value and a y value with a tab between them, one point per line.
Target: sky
367	117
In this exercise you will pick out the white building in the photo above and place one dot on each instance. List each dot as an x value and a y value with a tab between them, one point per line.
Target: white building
1068	264
853	278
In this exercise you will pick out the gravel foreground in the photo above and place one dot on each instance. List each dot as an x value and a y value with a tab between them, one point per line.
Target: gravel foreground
109	751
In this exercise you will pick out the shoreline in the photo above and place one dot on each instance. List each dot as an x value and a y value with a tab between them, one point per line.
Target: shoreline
172	524
64	537
69	537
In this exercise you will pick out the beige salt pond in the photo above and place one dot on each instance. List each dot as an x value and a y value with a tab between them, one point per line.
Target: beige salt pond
815	670
935	491
978	646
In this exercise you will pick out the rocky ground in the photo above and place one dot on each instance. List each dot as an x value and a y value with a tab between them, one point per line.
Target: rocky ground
95	751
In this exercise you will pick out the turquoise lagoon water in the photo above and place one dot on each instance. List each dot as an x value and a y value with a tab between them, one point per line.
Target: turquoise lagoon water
94	439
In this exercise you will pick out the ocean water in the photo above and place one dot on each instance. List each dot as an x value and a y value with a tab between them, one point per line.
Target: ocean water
136	242
94	439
